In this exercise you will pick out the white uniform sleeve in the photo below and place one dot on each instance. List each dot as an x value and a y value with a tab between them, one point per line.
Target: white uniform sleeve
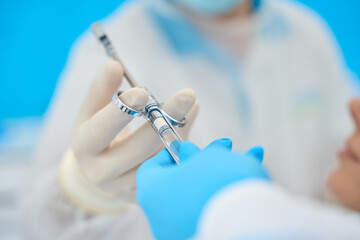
46	212
260	210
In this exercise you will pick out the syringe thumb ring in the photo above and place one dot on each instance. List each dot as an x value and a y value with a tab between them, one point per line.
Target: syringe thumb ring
146	111
123	107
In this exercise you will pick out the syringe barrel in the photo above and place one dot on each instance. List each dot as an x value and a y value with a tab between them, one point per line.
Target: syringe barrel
166	132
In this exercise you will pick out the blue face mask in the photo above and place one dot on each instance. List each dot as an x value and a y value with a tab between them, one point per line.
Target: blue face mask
213	7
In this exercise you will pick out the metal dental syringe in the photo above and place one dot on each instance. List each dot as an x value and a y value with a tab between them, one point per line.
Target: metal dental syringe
162	123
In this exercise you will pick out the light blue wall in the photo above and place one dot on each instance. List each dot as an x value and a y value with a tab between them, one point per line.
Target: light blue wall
30	30
35	37
343	16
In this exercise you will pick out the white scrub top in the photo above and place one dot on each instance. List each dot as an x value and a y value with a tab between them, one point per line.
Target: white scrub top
275	79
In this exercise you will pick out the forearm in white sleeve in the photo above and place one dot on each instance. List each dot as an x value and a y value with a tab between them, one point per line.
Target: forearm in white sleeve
49	215
261	210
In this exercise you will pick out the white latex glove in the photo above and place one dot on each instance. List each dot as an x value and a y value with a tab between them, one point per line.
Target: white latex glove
98	173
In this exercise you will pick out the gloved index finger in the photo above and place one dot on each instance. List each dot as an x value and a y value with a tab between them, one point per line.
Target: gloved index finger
95	134
101	91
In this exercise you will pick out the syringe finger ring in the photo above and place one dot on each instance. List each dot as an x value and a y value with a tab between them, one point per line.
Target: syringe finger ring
123	107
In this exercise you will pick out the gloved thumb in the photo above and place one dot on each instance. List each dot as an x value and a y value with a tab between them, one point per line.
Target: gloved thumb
257	152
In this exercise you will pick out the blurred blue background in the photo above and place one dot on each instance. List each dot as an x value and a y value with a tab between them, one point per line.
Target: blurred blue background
31	30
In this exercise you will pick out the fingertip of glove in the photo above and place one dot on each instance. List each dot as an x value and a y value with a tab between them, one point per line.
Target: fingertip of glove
180	103
113	71
257	152
135	98
185	98
226	142
188	94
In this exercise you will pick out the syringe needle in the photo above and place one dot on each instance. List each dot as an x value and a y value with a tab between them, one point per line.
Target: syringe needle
110	50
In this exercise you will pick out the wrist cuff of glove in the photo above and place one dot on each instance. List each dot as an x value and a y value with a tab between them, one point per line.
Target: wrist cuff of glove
83	194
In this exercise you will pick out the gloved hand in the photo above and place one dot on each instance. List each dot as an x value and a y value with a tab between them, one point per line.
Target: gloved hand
98	174
173	196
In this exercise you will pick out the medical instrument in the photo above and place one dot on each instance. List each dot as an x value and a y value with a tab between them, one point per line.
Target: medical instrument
162	123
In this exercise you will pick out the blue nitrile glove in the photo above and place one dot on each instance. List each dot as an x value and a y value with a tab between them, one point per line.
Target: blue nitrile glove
173	196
